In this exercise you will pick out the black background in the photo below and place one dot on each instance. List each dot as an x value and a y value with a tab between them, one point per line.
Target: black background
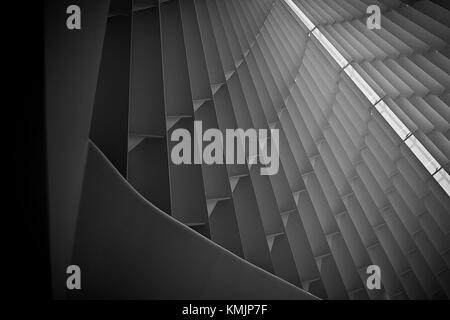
27	234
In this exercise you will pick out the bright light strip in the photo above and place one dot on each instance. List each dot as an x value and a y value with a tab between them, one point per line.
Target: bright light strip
443	179
391	118
337	56
424	156
308	23
362	84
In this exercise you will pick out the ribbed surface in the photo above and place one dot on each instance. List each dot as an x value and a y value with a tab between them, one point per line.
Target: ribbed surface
349	192
406	63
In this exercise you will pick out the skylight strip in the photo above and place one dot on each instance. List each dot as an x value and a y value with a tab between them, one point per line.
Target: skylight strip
391	118
418	149
443	178
308	23
365	88
428	161
337	56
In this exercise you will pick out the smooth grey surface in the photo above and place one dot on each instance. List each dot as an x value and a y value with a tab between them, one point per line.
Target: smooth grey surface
128	249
